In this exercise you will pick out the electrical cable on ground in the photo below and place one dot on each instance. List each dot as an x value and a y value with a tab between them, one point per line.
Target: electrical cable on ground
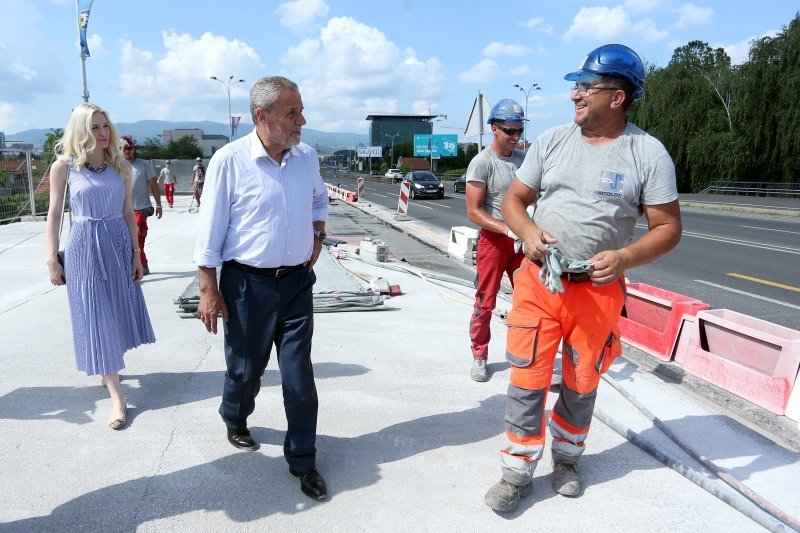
734	483
427	276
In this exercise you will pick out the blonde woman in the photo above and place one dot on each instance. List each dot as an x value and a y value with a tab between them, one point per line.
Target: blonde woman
102	267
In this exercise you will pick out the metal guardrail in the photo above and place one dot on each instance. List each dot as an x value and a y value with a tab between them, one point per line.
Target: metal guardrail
752	188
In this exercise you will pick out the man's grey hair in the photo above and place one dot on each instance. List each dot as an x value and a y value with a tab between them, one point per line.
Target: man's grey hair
266	91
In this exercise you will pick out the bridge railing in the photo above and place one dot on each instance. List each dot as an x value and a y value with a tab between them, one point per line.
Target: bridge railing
752	188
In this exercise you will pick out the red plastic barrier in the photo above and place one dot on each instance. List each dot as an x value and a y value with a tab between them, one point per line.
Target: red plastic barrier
747	356
653	317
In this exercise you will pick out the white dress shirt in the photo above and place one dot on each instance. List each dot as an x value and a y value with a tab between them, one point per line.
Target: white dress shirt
258	211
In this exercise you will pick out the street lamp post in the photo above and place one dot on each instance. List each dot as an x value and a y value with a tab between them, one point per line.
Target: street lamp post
526	93
227	85
391	152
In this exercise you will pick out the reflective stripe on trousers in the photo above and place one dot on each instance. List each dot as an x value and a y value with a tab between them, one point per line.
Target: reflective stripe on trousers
586	318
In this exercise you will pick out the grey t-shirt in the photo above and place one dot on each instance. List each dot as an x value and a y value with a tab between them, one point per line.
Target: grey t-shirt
141	172
169	175
497	173
591	196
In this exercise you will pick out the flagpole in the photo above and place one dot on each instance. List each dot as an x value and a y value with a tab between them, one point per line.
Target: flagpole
480	118
83	74
82	38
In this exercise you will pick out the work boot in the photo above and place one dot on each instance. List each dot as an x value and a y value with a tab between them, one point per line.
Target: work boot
478	372
566	478
504	496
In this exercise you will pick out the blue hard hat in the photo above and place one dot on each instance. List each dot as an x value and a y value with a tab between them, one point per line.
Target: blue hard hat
614	60
506	111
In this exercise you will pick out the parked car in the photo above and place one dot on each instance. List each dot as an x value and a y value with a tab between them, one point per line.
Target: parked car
373	172
460	185
424	183
395	174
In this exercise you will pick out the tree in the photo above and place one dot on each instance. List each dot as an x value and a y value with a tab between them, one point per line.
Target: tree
50	140
183	148
151	149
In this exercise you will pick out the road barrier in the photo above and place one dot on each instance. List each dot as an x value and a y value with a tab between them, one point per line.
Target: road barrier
362	191
341	194
402	202
463	244
747	356
652	317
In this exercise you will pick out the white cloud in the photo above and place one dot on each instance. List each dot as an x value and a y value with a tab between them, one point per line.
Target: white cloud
740	52
485	70
520	70
649	31
177	84
496	48
599	24
692	15
301	15
96	46
642	6
531	22
353	69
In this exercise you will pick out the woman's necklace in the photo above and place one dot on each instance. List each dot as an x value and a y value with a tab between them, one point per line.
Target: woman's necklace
96	169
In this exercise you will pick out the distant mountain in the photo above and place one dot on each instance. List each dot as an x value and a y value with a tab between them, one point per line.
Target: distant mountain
324	142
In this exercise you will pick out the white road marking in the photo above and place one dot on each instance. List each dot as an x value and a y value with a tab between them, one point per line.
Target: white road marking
737	291
770	229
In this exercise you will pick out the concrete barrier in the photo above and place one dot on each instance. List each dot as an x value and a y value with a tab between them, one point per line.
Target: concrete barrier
463	243
747	356
652	318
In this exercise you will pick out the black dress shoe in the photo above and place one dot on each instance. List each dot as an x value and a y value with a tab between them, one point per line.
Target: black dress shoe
241	439
312	484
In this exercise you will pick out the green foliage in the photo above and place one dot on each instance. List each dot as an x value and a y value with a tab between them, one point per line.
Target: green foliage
720	121
152	148
183	148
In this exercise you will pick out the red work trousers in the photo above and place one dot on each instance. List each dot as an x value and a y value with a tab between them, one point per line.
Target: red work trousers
495	256
141	224
169	191
198	192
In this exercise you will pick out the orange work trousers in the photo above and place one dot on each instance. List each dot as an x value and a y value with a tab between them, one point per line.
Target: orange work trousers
585	317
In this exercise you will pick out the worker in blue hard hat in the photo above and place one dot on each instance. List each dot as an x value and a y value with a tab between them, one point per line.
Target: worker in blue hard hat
590	180
488	177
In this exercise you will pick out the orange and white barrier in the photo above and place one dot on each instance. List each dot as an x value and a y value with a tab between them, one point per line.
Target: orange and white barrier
341	194
402	202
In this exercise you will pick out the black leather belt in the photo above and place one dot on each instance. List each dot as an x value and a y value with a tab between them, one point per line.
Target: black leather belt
572	277
280	272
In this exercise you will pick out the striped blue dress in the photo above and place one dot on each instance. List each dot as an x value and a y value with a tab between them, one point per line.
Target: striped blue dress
108	311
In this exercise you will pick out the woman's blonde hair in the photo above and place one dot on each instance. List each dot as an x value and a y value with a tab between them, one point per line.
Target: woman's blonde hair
78	141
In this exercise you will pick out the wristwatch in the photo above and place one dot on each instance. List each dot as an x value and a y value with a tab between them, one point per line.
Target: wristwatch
319	234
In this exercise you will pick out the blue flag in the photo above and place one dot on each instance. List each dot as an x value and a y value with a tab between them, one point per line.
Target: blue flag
84	7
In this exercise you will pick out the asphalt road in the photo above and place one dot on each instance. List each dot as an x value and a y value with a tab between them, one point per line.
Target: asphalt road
742	261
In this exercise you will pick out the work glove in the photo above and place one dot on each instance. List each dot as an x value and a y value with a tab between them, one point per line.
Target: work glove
554	264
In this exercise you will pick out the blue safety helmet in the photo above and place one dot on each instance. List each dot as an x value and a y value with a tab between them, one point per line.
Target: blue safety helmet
614	60
506	111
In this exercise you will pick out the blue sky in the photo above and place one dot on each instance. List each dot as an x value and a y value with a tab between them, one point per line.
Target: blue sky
152	59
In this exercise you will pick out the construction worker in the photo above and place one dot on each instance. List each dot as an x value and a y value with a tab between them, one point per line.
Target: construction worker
489	175
591	181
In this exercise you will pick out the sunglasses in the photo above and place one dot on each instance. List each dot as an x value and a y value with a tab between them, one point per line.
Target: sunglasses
510	131
127	149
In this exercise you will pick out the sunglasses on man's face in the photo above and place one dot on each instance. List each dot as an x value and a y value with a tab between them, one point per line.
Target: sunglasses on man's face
510	131
127	148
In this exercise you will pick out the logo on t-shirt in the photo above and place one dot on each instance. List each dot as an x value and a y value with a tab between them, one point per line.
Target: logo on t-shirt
611	184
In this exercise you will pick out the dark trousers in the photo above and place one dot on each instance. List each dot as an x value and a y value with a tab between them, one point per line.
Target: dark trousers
263	311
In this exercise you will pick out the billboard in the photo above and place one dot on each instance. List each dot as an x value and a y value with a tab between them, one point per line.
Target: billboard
369	151
436	145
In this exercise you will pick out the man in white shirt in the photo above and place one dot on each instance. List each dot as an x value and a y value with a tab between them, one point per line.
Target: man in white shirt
263	223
